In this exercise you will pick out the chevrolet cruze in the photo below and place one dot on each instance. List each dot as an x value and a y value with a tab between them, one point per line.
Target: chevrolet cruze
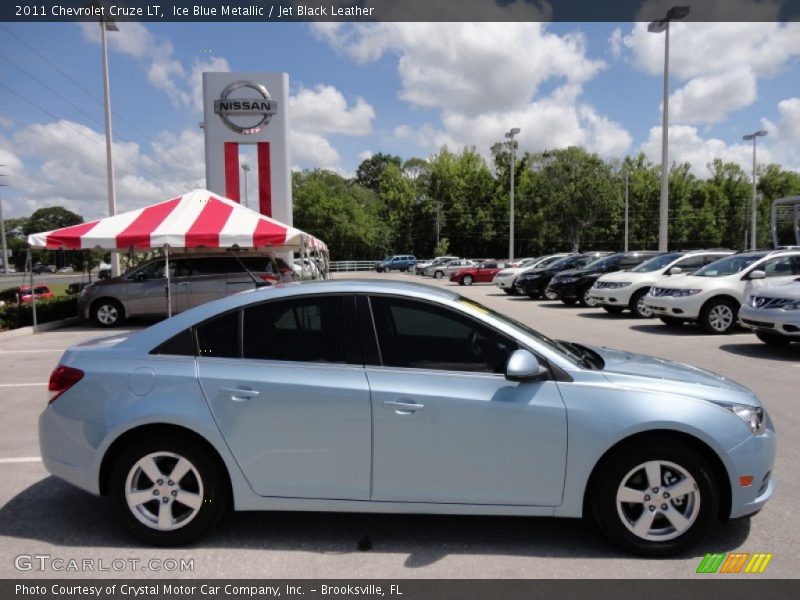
392	397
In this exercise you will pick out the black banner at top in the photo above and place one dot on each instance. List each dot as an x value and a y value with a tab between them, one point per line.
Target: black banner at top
398	10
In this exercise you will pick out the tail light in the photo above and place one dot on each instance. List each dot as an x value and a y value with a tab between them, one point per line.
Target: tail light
270	278
61	379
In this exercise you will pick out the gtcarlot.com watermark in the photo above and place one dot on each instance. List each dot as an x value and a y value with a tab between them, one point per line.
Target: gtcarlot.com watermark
58	564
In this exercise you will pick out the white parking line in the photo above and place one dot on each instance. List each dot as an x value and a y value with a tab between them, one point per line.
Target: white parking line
20	459
5	385
26	351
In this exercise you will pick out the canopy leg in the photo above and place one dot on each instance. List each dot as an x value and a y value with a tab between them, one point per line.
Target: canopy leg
169	292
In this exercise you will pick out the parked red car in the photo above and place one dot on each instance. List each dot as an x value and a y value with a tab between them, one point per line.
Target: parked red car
481	273
22	294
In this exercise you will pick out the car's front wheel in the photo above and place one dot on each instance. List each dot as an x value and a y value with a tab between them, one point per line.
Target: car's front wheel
638	307
586	298
438	274
168	491
107	312
719	316
550	295
655	498
467	280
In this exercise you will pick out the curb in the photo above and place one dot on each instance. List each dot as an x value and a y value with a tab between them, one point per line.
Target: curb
23	331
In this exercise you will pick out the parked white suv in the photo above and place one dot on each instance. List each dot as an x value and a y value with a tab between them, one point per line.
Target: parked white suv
506	278
625	290
713	295
773	313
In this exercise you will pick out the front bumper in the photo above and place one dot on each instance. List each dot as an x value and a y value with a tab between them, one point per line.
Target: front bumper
506	283
754	457
687	307
620	297
564	290
771	320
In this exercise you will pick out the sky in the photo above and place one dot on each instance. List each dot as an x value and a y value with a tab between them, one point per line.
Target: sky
397	88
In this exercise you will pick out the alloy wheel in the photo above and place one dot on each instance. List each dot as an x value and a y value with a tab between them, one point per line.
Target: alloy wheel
107	314
721	318
658	501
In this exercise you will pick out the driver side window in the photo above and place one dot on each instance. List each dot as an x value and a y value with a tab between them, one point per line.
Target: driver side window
419	335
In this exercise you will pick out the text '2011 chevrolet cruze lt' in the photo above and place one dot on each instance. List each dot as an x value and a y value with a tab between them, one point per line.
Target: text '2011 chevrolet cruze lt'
390	397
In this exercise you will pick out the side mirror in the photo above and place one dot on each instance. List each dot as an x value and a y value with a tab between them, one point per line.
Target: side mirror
674	271
757	274
522	366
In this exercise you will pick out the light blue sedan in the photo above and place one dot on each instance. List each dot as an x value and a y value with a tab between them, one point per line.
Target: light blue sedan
393	397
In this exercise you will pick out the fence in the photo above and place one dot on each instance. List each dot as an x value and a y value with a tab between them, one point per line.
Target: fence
341	266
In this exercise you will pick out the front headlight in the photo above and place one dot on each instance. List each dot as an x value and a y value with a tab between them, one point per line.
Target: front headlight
752	416
615	285
566	280
684	293
792	306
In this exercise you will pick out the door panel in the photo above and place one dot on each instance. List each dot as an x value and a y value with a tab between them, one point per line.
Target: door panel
307	432
477	438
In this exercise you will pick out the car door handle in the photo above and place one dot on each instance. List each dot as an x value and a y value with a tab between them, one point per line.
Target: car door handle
239	394
403	408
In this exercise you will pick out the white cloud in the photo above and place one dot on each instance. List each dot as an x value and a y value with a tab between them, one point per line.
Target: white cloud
615	43
314	150
324	110
719	62
790	119
483	78
365	155
710	98
6	123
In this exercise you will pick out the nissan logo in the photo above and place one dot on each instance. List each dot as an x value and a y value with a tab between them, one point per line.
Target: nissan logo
262	107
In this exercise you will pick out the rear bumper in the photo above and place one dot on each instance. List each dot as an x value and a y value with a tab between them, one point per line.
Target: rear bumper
65	453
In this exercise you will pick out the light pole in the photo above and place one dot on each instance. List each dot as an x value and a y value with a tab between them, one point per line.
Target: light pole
673	14
246	169
627	183
754	136
109	25
510	136
3	231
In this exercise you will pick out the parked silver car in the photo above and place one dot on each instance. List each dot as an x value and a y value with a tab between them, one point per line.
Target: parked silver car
393	397
194	279
449	267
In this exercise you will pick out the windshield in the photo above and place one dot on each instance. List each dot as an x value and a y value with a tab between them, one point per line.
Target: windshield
528	262
600	263
656	263
566	350
560	262
730	265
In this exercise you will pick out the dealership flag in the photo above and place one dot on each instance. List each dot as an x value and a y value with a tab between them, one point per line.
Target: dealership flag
197	219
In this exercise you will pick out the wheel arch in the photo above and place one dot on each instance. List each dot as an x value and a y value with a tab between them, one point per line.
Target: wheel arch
716	297
719	471
153	430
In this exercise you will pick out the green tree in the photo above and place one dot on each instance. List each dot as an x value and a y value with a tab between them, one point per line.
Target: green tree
370	170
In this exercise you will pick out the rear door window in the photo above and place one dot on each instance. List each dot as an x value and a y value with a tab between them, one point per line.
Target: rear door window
219	337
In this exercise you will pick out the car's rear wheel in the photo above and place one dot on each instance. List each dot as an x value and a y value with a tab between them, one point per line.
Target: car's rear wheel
467	280
107	312
654	498
168	491
719	316
773	339
614	310
638	307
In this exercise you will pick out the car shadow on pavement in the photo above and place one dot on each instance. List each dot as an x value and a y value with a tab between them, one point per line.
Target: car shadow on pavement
607	316
54	512
790	353
662	329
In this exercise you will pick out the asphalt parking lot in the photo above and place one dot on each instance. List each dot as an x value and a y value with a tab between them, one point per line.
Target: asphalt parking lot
40	515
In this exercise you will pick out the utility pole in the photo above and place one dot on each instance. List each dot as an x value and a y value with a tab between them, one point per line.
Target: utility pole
510	136
3	230
109	25
753	237
438	222
627	182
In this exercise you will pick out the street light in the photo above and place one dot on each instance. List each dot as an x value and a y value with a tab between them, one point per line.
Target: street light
246	169
510	136
673	14
3	231
754	136
109	25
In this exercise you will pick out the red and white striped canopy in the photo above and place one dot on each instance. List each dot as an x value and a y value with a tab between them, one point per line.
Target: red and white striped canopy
197	219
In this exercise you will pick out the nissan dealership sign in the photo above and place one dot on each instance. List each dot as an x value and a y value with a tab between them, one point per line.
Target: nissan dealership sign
245	114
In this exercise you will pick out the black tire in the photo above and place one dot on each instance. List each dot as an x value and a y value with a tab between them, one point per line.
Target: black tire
671	321
212	477
773	339
614	310
438	274
569	301
534	295
584	297
510	291
550	295
637	309
467	280
719	316
107	312
700	506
